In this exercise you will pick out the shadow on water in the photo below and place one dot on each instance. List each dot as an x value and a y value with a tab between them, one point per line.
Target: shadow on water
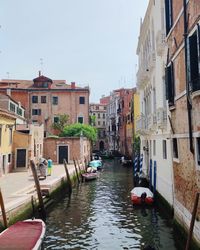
100	215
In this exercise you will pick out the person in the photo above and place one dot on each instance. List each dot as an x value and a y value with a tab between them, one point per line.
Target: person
42	167
49	165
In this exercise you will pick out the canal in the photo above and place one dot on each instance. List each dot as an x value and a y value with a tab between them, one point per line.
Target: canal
99	215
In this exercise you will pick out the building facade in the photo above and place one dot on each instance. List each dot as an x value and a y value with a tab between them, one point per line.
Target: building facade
7	128
153	124
46	99
183	95
98	112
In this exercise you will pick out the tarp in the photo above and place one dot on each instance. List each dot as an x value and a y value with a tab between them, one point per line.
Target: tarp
23	235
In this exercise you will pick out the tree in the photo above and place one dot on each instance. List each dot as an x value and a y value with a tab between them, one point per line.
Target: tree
79	129
61	122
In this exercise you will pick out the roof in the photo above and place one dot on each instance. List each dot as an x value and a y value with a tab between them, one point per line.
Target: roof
42	79
29	84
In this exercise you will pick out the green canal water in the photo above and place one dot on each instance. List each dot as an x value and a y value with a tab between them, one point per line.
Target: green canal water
99	215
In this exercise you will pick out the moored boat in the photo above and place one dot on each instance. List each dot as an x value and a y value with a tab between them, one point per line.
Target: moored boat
26	235
96	164
89	176
141	195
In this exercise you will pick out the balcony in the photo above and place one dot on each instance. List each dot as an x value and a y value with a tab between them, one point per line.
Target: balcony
161	116
151	122
141	125
160	42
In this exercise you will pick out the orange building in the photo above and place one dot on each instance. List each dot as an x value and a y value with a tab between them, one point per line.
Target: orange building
45	99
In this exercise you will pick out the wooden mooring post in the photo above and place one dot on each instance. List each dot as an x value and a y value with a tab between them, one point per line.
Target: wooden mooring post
192	221
79	168
37	185
3	210
68	176
76	171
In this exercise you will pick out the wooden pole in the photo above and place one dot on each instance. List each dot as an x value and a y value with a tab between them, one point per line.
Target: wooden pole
37	185
68	176
3	210
76	171
78	166
192	221
85	164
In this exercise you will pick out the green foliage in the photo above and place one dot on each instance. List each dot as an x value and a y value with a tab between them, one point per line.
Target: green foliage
77	129
136	145
62	122
92	120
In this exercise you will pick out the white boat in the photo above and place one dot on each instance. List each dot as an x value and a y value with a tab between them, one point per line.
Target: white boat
142	195
26	235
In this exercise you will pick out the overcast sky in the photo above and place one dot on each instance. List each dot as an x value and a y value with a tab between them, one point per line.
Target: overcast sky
91	42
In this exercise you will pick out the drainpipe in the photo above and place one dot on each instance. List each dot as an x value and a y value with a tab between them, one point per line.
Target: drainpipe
189	105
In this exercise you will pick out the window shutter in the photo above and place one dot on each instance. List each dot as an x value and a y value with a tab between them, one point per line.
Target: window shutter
166	83
198	45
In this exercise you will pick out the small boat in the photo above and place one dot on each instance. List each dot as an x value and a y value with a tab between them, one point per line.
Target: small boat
26	235
141	195
89	176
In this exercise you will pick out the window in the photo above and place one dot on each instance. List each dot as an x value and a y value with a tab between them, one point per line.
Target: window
12	107
193	60
104	116
55	100
34	99
168	15
36	111
164	149
81	100
169	83
99	116
9	158
10	135
99	123
43	99
198	150
104	108
19	111
175	148
56	119
104	123
80	119
154	147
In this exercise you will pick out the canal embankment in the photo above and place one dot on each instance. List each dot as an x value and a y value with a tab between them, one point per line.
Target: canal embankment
19	191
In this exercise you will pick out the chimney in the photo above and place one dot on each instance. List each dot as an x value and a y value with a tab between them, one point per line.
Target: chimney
73	85
39	72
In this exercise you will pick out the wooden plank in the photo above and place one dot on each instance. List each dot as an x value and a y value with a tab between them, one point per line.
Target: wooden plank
192	221
37	185
68	176
76	171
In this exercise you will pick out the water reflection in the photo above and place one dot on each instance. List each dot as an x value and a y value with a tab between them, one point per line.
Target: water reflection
99	215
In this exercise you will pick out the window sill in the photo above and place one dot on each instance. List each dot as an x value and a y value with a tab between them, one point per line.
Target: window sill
176	160
171	108
195	94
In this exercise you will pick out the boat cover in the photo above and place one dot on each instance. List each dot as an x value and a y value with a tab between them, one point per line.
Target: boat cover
23	235
139	190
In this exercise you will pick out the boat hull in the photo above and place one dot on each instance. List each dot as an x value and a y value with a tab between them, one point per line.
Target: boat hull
28	234
141	195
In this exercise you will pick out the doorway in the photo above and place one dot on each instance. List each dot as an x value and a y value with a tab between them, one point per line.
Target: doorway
62	154
21	158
